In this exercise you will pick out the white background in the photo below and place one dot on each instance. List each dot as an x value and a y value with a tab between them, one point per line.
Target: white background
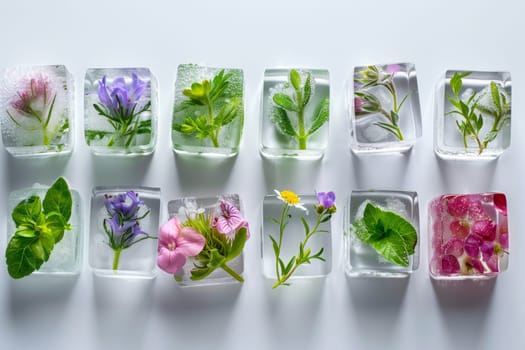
337	313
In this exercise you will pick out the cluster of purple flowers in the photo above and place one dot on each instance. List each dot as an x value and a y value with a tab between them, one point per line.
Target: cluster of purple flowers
123	223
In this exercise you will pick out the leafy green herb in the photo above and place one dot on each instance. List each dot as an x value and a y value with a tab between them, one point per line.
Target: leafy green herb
324	210
207	94
471	124
366	103
296	103
389	234
39	226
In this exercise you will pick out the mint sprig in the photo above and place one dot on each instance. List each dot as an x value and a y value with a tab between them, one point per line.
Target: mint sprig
391	235
39	226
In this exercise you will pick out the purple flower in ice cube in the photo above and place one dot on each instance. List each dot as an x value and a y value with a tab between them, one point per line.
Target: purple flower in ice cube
230	221
121	98
122	226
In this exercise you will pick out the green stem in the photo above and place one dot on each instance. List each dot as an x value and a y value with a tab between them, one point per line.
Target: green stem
301	136
116	259
214	135
298	263
46	140
281	233
232	273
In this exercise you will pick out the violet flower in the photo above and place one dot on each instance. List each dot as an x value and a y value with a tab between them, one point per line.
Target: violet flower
120	98
120	104
122	226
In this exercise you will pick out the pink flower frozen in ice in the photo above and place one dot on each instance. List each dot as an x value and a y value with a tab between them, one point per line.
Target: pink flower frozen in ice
459	228
230	221
449	264
485	229
393	68
176	243
500	202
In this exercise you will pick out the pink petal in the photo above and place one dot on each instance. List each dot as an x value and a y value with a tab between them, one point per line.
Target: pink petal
247	227
454	247
393	68
170	261
189	242
504	240
457	206
459	229
500	202
485	229
493	263
449	264
169	232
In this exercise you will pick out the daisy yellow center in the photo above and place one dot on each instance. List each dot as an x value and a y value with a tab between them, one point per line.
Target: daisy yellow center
290	197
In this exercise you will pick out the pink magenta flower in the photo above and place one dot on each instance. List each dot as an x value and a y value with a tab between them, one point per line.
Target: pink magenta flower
459	229
485	229
454	247
176	243
393	68
230	221
449	264
500	202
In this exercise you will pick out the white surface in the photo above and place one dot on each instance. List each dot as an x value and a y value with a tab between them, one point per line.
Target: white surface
338	314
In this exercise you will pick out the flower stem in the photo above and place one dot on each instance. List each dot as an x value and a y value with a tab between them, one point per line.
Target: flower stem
116	259
214	134
232	273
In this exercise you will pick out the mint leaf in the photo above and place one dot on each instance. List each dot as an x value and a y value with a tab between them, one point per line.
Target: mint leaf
56	225
27	211
227	113
282	121
58	199
20	258
320	115
388	233
39	226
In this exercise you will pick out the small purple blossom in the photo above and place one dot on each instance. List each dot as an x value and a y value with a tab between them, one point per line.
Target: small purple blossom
326	199
122	226
121	98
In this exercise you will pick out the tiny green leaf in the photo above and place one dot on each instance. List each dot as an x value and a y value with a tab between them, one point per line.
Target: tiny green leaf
295	79
58	199
307	91
284	101
388	233
282	121
494	90
320	115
